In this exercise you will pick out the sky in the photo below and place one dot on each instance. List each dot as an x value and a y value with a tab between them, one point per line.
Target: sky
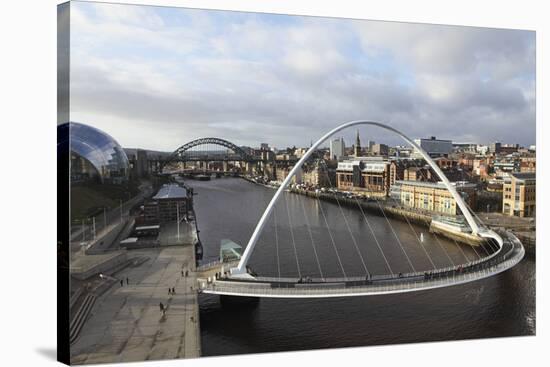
159	77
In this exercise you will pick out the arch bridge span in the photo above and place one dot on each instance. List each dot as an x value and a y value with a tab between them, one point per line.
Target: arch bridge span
509	252
179	155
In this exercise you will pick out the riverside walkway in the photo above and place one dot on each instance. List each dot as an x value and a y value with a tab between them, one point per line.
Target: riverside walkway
126	323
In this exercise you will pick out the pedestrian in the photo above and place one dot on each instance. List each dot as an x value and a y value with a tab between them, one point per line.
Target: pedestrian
121	282
169	291
127	281
173	290
182	273
161	307
186	272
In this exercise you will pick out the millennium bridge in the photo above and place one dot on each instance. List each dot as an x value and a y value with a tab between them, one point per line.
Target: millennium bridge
235	279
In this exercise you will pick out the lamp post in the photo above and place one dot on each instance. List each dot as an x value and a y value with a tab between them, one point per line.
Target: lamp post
83	231
93	226
178	217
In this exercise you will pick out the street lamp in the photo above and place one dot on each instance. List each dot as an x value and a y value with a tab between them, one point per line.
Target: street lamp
178	217
93	226
104	217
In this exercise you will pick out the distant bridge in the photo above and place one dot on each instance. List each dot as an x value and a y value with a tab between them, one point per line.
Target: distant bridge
238	281
185	152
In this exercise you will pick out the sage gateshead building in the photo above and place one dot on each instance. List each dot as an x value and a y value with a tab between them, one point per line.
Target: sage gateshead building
94	154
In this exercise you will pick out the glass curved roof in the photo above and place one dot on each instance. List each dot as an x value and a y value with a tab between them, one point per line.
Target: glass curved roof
96	146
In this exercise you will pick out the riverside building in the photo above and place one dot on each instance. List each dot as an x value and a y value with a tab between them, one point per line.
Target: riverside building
368	176
432	196
519	195
170	203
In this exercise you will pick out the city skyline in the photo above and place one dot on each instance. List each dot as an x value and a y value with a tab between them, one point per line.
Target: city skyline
177	74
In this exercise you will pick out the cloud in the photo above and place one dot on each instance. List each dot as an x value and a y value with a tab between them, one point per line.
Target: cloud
159	77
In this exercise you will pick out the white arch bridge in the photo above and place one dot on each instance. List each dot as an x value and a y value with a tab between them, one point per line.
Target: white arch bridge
236	280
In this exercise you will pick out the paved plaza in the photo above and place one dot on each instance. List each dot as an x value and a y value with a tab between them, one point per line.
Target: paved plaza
127	324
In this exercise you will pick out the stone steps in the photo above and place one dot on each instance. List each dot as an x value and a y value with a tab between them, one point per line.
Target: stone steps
80	317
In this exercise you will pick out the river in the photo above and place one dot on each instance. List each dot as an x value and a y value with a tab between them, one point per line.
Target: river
229	208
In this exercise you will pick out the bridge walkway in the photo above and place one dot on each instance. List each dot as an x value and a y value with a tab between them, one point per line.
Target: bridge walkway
510	254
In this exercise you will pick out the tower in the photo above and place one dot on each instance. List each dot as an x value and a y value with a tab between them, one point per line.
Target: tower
357	147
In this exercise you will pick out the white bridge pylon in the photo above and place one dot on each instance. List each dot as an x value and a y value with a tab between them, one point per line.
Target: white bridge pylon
240	270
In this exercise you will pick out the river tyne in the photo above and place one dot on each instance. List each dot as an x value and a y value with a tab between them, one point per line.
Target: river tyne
229	208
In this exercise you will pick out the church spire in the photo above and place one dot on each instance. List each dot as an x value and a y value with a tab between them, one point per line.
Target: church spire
357	147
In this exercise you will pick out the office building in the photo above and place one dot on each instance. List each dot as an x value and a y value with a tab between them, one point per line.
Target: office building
432	196
434	147
368	176
519	195
166	204
337	148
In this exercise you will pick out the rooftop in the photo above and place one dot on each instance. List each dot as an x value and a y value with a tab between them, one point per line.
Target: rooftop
525	175
171	191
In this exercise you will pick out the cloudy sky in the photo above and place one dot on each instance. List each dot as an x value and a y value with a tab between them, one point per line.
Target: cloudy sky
157	77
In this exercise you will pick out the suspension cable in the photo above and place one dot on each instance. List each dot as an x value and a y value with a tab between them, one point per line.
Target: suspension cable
277	242
348	227
437	237
311	237
391	227
292	236
455	241
374	235
483	225
417	238
331	238
396	237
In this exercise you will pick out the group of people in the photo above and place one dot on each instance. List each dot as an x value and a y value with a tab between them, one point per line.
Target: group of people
122	282
307	279
171	292
219	275
428	275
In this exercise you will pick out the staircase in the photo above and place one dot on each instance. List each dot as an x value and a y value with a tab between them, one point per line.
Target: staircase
80	317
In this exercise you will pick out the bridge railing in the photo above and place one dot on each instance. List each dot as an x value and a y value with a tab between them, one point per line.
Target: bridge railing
513	252
386	277
265	289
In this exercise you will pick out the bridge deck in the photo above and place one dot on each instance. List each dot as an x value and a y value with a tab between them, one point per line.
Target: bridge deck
509	255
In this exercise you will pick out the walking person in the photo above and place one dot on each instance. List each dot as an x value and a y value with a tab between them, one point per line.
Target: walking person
121	282
169	291
161	307
127	281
